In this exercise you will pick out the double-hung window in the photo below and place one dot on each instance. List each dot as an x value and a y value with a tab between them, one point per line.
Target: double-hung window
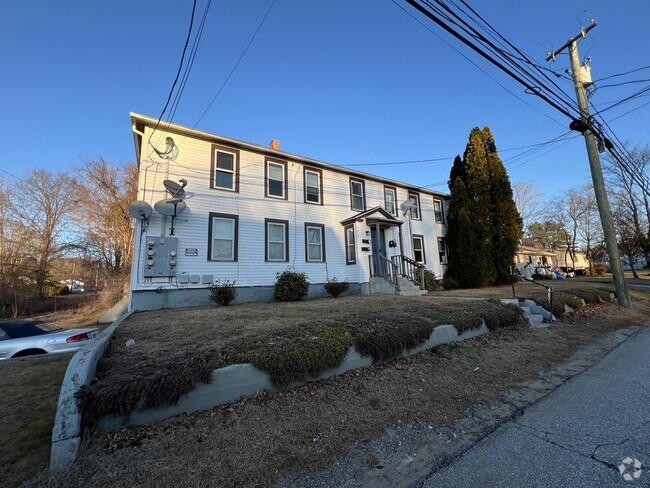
222	237
437	210
313	186
418	249
357	195
277	240
350	245
442	250
414	198
314	243
225	168
276	178
390	199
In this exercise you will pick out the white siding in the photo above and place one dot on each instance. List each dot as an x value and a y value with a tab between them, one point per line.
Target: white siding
193	163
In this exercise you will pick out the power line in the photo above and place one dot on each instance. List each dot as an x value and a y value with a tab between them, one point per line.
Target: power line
180	67
600	87
621	74
476	65
14	176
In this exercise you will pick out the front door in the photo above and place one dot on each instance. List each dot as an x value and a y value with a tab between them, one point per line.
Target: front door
378	246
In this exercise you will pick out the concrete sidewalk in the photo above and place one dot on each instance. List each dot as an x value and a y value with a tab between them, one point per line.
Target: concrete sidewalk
578	436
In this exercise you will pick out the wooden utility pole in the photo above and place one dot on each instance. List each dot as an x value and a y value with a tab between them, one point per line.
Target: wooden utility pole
594	163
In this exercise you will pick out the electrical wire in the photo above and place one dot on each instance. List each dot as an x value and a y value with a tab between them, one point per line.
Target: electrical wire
180	67
622	74
600	87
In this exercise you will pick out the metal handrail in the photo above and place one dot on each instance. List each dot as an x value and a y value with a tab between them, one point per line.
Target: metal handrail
549	290
387	269
411	269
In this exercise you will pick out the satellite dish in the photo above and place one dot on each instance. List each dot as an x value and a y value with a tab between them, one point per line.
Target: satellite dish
170	207
405	206
174	188
140	210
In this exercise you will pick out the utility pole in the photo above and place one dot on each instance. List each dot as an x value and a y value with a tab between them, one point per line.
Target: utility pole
594	163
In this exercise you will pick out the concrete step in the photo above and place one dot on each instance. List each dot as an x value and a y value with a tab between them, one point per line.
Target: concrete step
526	309
537	321
512	301
412	293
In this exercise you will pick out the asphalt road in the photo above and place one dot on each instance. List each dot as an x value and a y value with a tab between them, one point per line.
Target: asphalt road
578	436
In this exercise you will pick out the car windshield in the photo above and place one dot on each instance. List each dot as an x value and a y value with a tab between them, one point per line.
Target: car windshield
17	330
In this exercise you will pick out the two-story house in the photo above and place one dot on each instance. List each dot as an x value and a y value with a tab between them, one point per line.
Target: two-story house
213	208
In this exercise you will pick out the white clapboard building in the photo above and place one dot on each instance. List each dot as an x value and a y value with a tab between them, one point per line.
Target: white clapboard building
212	208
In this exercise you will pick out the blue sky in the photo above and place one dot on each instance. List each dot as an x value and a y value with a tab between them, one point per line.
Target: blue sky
345	82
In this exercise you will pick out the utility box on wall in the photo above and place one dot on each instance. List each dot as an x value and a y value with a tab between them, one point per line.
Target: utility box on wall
161	254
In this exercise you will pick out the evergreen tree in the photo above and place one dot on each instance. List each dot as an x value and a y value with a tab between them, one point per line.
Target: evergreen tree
484	225
461	241
505	222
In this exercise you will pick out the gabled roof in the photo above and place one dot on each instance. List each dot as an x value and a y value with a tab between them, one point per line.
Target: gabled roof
139	121
383	216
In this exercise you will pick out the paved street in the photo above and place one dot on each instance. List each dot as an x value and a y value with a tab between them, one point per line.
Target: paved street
578	436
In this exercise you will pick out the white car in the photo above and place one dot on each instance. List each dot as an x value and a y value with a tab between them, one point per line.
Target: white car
20	338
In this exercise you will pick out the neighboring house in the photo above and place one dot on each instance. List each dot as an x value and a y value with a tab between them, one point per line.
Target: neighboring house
531	252
248	212
579	261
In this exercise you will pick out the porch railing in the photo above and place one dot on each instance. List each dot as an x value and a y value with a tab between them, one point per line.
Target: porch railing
381	266
410	269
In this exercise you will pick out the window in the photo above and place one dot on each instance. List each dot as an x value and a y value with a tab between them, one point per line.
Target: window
437	210
418	248
390	197
442	250
225	168
222	237
313	186
276	178
414	198
357	195
314	243
350	245
277	240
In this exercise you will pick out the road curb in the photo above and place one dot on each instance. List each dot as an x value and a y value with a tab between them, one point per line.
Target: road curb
66	434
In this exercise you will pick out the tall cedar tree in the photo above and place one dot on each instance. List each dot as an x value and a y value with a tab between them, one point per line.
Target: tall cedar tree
506	223
483	231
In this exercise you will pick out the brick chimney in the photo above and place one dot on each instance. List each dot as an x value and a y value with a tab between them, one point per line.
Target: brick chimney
275	144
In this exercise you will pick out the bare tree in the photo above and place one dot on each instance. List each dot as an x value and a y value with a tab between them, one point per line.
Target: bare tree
102	195
529	200
628	182
588	222
40	209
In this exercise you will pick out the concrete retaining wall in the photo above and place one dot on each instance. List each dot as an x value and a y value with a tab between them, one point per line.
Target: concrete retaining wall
243	380
156	299
66	434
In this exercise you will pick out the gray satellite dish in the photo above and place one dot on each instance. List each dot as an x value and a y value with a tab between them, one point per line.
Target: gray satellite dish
174	188
170	207
140	210
405	206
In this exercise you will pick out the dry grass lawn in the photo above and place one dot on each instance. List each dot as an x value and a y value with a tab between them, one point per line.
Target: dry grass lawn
30	390
252	442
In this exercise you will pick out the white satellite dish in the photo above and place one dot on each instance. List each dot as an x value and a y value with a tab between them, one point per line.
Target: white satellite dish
174	188
170	207
140	210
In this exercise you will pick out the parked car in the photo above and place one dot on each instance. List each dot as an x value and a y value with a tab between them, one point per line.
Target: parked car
20	338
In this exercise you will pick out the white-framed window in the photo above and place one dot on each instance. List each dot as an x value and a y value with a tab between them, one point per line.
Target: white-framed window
314	243
390	199
442	250
350	245
313	186
418	249
225	168
276	178
437	211
414	198
222	235
357	195
277	240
